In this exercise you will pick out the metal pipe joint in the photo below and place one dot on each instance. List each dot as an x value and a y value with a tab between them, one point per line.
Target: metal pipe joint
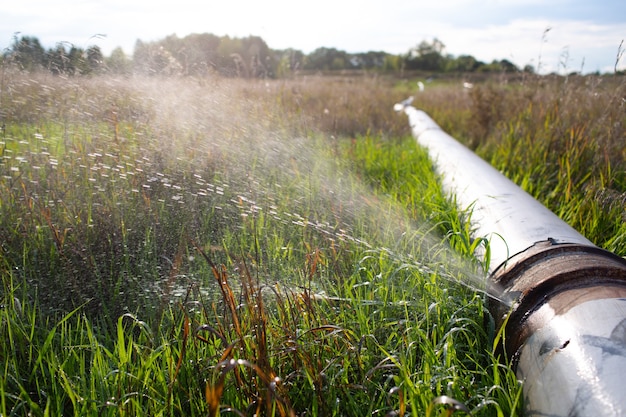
565	329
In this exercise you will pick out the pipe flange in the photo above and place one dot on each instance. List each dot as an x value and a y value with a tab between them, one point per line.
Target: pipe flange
561	274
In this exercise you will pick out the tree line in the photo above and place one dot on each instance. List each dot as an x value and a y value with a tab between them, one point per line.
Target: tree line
249	57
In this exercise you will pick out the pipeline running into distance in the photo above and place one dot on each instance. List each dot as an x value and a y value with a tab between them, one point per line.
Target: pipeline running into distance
565	332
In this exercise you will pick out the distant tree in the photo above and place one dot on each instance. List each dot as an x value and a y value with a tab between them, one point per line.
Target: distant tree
261	62
288	61
95	59
325	59
65	58
154	59
75	61
499	66
393	63
230	61
508	66
28	53
466	63
58	60
427	56
118	62
197	53
141	57
369	60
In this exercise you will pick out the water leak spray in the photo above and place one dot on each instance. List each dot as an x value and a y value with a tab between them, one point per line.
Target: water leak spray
565	322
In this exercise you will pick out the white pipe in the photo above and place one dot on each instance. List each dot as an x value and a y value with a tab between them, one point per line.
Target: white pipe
495	201
567	329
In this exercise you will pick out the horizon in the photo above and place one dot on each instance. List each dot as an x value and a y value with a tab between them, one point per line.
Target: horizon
564	36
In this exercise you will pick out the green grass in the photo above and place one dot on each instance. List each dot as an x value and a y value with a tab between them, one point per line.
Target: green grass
197	247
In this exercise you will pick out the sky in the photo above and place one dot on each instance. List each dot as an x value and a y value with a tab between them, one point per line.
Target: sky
551	35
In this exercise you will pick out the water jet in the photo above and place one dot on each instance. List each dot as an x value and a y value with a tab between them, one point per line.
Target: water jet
565	330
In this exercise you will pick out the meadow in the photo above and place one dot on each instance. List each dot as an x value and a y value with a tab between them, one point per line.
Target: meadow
206	246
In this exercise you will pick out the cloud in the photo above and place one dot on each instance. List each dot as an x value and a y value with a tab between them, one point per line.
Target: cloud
566	46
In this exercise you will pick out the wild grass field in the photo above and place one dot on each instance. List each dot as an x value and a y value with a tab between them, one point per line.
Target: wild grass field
205	246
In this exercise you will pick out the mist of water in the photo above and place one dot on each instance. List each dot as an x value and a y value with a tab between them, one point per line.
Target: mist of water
264	157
